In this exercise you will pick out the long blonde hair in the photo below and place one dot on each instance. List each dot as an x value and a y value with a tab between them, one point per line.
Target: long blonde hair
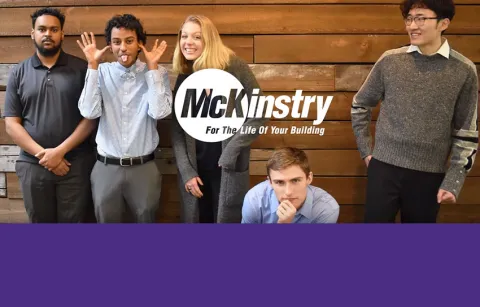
215	54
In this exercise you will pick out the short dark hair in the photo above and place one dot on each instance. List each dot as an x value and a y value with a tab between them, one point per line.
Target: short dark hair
126	21
283	158
442	8
48	11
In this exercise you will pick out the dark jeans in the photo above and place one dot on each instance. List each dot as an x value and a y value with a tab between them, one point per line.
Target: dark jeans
391	188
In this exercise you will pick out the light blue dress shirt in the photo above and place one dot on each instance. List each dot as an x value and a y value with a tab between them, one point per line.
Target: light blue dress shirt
129	101
260	206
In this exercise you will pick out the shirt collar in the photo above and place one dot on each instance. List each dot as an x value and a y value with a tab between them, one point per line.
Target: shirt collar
137	67
61	61
444	49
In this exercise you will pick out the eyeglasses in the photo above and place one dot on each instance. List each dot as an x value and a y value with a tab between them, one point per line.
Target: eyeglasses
419	20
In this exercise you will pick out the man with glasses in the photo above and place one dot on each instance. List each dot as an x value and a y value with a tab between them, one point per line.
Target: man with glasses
426	134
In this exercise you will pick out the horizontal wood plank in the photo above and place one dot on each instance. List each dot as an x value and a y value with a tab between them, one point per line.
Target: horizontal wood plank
17	49
4	137
12	204
344	48
245	19
294	77
270	77
10	216
12	150
7	163
41	3
13	186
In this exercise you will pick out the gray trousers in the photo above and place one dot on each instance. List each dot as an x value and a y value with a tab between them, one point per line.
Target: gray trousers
116	188
49	198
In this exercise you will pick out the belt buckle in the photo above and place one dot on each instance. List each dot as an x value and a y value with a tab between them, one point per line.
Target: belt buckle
128	159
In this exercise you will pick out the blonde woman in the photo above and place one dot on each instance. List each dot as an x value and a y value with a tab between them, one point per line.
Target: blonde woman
213	177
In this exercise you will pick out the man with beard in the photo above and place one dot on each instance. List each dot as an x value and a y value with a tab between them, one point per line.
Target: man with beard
43	119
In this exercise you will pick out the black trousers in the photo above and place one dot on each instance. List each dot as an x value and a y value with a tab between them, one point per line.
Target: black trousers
208	203
49	198
391	188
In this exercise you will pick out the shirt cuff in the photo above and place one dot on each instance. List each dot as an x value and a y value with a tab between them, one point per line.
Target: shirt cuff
454	179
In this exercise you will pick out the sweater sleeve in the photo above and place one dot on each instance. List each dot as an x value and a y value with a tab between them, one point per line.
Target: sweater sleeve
239	141
464	136
179	144
369	95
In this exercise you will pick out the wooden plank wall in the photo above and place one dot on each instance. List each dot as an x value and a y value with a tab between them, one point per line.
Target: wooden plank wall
324	47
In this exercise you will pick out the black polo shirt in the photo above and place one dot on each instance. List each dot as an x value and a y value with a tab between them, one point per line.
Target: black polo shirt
47	101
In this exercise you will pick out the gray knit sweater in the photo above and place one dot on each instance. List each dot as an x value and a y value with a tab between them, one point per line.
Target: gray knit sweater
428	114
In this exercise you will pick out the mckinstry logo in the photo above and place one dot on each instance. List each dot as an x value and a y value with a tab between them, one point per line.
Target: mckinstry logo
211	105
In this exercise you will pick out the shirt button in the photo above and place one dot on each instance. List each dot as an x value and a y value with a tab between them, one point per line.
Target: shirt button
48	79
457	181
461	172
48	72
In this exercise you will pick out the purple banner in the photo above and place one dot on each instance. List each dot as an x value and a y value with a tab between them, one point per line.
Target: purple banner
240	265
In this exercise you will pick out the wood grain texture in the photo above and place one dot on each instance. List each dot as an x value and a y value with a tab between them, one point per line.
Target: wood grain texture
270	77
4	137
41	3
344	48
11	216
245	19
292	77
18	48
13	186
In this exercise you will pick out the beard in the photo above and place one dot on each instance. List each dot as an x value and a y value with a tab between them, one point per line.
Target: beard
48	52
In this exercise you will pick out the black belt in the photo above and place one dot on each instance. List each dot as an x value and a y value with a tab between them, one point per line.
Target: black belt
126	161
